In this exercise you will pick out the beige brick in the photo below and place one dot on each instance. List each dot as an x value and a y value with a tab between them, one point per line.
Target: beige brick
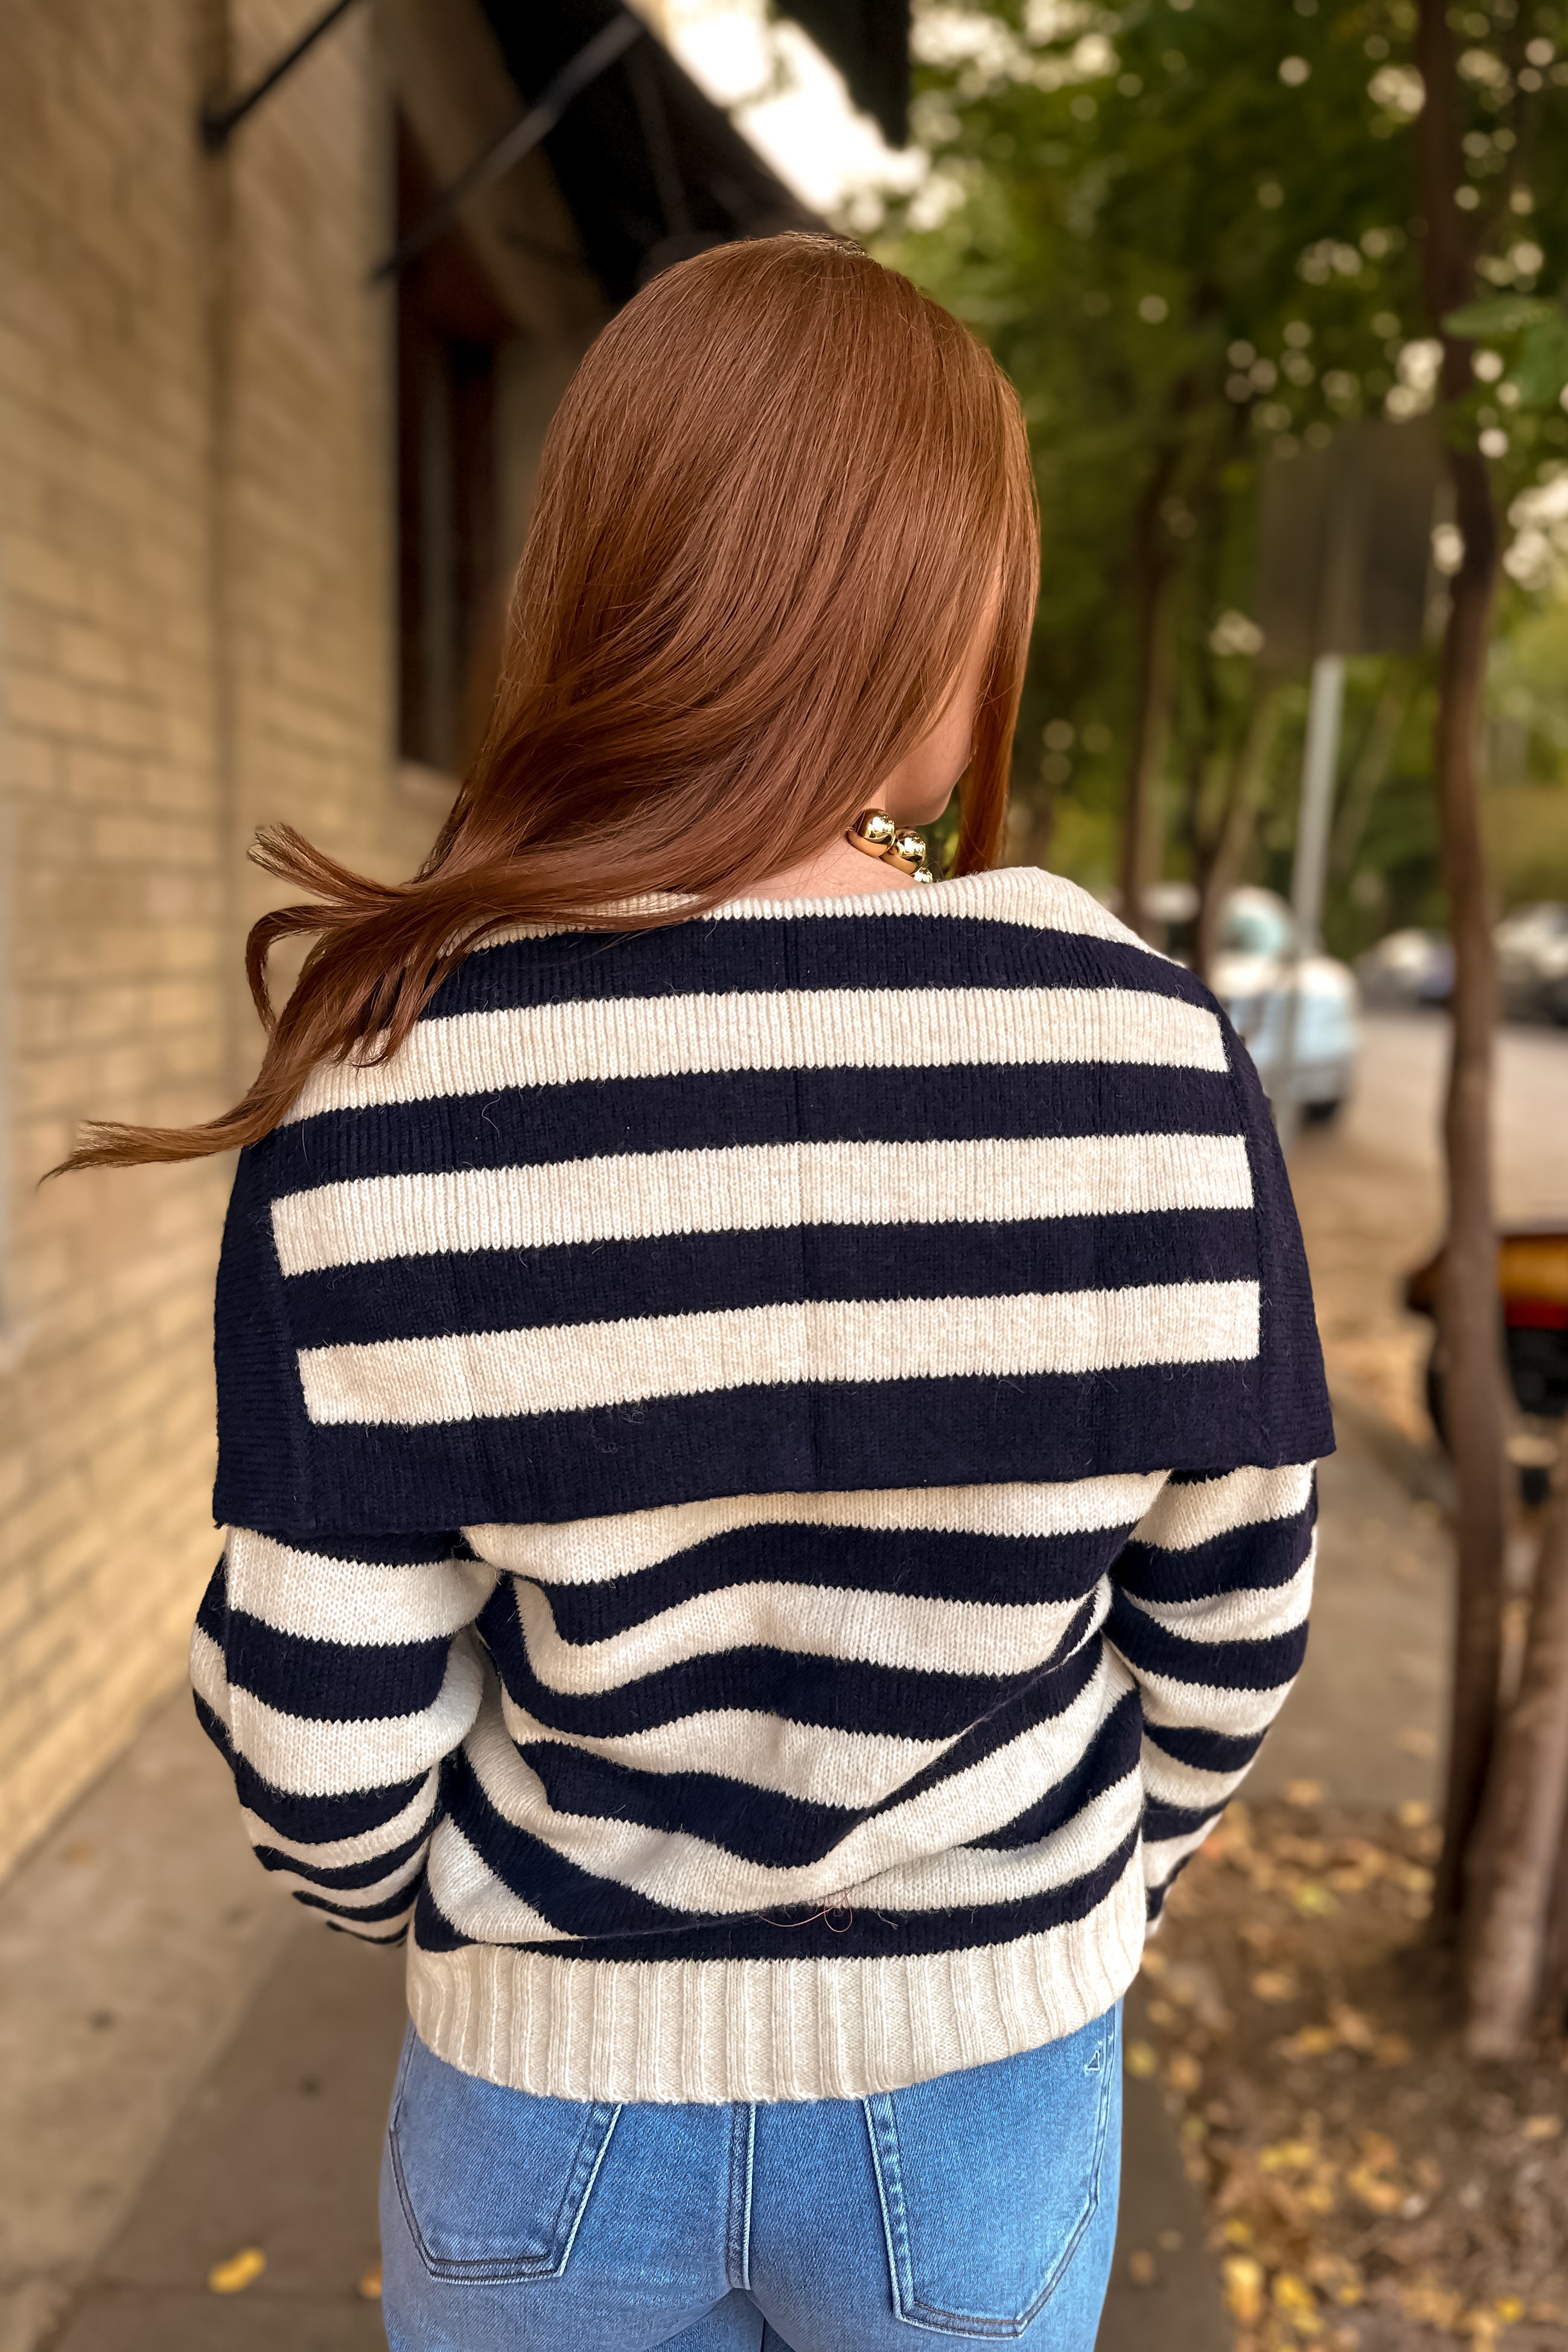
128	905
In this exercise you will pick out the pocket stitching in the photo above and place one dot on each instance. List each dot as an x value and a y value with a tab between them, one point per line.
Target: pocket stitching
481	2269
913	2308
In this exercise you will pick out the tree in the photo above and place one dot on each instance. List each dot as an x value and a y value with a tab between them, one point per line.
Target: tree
1197	232
1177	230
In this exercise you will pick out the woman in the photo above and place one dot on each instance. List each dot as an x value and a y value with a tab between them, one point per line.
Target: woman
765	1406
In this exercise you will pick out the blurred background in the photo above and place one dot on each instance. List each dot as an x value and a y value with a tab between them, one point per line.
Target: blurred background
287	296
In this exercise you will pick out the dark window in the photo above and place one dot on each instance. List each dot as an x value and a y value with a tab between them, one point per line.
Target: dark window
451	335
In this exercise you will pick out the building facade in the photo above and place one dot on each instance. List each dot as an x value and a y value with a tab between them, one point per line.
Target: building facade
269	428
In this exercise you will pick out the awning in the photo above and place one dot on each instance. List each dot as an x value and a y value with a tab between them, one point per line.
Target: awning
651	169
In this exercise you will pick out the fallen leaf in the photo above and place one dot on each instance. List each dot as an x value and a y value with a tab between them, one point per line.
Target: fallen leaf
1314	1900
369	2285
1244	2280
1508	2309
240	2270
1338	2277
1183	2072
1413	1814
1141	2060
1380	2195
1303	1792
1416	1742
1142	2268
1237	2232
1288	2155
1162	2013
1154	1963
1352	2027
1431	2305
1275	1984
1311	2041
1542	2126
1392	2050
1171	2241
1292	2294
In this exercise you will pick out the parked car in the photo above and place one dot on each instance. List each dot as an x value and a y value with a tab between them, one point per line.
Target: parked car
1306	1009
1407	968
1532	1290
1533	962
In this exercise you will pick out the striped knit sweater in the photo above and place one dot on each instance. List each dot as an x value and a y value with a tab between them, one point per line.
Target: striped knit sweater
767	1466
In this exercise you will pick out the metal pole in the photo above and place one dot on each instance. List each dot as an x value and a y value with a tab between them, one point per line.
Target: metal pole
1319	767
217	123
611	41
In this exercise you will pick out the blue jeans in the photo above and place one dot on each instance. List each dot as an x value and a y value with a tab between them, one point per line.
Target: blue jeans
981	2206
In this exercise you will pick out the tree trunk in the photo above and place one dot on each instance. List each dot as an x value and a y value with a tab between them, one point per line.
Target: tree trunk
1467	1301
1152	578
1555	1966
1523	1821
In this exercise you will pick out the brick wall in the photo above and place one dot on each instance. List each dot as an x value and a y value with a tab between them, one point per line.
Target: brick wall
194	636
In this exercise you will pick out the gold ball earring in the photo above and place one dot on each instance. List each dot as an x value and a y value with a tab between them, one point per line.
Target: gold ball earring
881	835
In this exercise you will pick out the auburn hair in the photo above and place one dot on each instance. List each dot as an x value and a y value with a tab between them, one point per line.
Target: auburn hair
779	496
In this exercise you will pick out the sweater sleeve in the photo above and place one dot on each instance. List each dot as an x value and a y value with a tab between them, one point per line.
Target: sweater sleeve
1209	1611
336	1679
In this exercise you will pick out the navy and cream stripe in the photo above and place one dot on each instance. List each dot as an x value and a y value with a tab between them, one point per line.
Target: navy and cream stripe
766	1472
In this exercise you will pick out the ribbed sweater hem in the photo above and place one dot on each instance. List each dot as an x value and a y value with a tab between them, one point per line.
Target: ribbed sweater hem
710	2031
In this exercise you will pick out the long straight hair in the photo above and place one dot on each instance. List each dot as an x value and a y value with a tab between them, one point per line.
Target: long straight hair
779	496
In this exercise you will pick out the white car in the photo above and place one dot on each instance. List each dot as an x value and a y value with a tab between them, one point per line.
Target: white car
1303	1013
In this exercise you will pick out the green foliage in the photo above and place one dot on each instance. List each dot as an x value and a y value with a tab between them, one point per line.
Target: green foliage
1191	234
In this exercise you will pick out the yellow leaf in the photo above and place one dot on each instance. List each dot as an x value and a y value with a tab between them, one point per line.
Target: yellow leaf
240	2270
1244	2282
1381	2196
1162	2013
1303	1792
1413	1814
369	2285
1275	1984
1288	2155
1542	2126
1153	1963
1183	2072
1319	2198
1292	2294
1311	2041
1353	2030
1141	2060
1312	1900
1237	2232
1508	2309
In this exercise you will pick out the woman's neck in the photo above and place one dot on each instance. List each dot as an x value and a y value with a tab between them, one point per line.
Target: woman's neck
839	871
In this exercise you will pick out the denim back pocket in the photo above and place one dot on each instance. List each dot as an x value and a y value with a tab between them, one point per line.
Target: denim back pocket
494	2182
989	2179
